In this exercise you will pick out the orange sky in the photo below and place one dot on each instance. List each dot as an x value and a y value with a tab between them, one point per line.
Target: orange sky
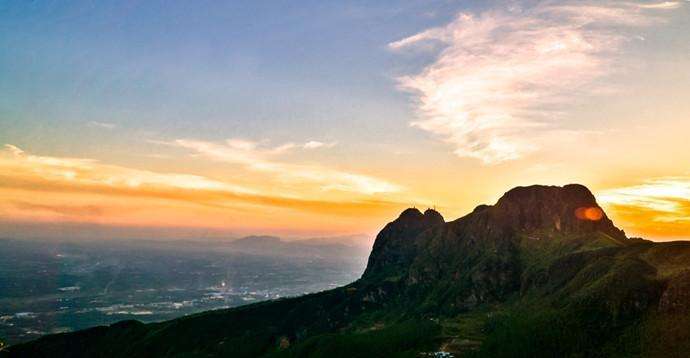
335	124
44	189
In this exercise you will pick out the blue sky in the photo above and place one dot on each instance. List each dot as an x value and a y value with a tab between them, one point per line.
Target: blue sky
206	69
349	107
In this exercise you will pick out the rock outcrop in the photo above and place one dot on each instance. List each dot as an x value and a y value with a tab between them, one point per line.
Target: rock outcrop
549	252
477	258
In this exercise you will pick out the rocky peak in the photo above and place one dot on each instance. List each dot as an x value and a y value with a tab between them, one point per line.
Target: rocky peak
433	217
567	209
532	210
395	244
409	214
414	217
531	197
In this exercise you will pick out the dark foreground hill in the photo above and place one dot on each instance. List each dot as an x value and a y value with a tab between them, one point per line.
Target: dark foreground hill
541	273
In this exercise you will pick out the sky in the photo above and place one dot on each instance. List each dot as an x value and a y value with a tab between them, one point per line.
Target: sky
196	119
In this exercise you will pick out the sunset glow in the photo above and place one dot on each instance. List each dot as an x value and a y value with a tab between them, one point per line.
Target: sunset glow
589	213
207	131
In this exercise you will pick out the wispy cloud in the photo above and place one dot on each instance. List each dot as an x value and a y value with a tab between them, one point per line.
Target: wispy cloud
662	195
254	156
280	149
104	125
660	206
494	88
88	171
106	189
314	144
67	210
662	5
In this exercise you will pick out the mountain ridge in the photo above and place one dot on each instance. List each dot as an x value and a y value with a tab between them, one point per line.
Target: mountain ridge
544	271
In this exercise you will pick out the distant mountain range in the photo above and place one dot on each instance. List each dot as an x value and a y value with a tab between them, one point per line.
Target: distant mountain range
336	247
52	285
542	273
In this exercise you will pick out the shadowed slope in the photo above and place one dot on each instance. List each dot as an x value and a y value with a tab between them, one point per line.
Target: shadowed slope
542	272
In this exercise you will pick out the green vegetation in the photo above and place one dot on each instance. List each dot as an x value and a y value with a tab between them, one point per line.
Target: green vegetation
504	281
404	339
548	332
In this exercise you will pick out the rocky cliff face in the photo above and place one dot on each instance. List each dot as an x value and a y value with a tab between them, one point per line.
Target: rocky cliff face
479	258
549	253
571	209
396	245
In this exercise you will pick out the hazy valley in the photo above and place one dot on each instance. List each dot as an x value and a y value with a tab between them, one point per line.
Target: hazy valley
48	286
543	272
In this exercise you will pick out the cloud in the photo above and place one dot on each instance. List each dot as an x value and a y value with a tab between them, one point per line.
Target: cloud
67	210
495	85
662	5
104	125
660	206
88	171
254	157
662	195
284	148
47	178
314	144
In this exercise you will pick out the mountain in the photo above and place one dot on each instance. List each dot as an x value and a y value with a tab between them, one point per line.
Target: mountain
543	272
51	286
347	247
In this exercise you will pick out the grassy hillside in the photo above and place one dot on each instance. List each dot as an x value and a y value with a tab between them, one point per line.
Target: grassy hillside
519	279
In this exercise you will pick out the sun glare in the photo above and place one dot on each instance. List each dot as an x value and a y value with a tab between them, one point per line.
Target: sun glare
589	213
